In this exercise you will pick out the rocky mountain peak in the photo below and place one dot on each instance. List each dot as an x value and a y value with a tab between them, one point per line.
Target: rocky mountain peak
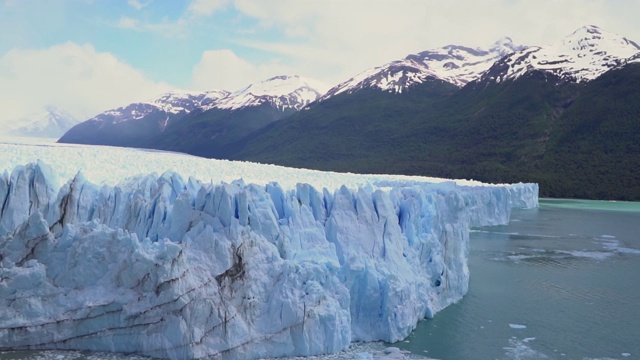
283	91
581	56
505	46
455	64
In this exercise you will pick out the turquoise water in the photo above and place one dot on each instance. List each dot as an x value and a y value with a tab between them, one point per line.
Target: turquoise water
558	282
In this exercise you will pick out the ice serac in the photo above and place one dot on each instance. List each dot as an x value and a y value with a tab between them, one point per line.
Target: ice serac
180	269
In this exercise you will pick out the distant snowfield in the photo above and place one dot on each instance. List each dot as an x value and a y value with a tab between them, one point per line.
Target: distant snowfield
11	139
110	165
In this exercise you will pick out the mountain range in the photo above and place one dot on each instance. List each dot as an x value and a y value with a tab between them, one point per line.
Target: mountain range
565	115
208	119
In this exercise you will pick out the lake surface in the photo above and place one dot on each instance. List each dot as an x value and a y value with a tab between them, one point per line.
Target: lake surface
558	282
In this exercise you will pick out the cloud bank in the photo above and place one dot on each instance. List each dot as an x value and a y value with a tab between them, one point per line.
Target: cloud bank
73	77
333	39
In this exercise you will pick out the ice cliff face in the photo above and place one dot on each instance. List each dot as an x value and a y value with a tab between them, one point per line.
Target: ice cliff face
179	269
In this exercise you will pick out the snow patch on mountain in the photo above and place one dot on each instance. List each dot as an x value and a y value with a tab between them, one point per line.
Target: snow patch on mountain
454	64
580	57
168	104
175	102
634	59
283	92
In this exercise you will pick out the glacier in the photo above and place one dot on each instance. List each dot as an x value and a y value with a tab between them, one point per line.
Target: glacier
181	269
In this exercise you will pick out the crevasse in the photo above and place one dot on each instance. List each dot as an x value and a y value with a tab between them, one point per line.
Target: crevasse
180	269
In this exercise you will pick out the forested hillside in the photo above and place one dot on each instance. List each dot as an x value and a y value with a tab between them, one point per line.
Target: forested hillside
576	140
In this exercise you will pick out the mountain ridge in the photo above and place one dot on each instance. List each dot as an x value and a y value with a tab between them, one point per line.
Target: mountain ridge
519	130
165	122
501	126
581	56
455	64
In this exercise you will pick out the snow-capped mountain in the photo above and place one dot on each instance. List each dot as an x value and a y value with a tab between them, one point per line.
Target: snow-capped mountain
454	64
580	57
493	131
283	92
50	123
176	102
171	103
209	120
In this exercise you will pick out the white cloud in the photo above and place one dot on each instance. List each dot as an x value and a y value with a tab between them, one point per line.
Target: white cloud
128	23
223	69
206	7
174	30
333	40
73	77
350	36
138	5
10	3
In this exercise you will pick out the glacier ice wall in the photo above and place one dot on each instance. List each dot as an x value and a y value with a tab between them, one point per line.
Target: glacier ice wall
179	269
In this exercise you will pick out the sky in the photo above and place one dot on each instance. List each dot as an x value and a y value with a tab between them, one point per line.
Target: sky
87	56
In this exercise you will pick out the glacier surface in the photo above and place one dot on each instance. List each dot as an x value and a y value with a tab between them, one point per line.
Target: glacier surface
172	268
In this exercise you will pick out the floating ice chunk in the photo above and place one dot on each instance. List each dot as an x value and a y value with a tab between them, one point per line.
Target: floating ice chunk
518	258
624	250
517	326
519	349
596	255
